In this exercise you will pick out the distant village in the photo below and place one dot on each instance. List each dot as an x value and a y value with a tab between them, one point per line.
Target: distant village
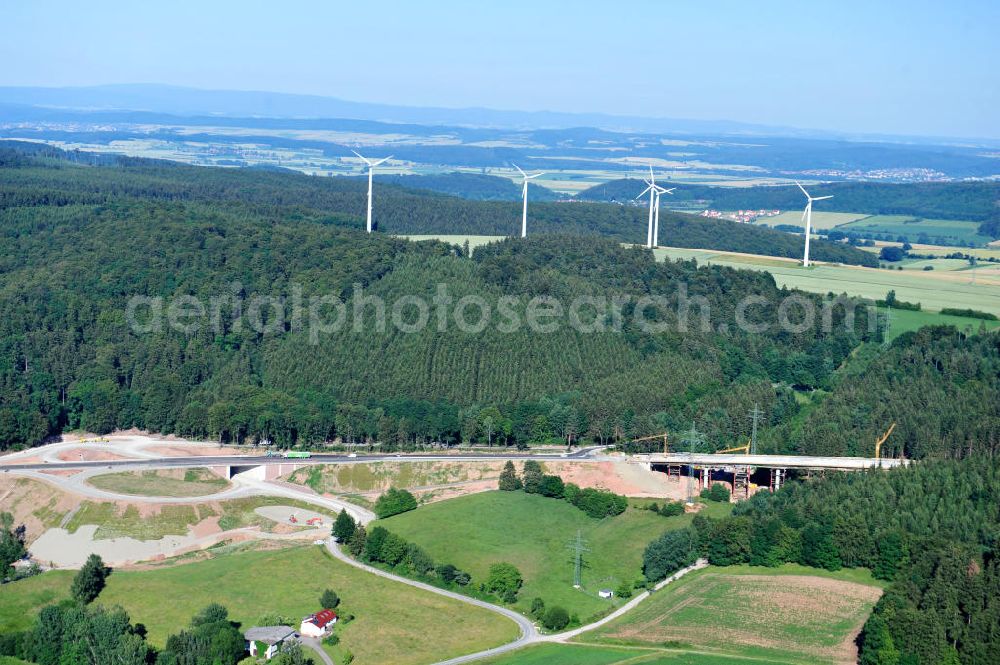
748	216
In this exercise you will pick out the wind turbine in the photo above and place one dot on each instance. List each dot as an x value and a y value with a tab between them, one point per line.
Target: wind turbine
656	217
371	171
807	217
654	204
524	196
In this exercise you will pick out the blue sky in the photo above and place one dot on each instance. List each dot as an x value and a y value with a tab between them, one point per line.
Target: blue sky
893	66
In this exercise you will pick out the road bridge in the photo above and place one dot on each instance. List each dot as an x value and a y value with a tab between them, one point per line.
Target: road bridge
699	460
805	462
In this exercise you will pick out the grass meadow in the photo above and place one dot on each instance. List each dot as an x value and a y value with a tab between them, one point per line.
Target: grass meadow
533	533
394	623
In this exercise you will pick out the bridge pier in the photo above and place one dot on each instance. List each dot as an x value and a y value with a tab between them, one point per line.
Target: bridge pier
777	475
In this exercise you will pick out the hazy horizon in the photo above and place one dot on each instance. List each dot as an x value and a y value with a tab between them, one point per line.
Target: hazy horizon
896	68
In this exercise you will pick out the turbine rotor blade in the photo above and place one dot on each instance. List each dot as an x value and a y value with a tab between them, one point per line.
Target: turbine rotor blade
643	193
520	171
363	159
381	161
803	189
823	198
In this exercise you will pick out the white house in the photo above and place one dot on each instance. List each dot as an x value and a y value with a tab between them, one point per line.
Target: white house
317	625
605	593
266	641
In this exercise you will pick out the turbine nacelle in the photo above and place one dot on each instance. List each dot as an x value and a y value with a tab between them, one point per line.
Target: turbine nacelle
371	164
525	175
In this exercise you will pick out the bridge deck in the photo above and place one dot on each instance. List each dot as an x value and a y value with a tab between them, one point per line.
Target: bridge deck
771	461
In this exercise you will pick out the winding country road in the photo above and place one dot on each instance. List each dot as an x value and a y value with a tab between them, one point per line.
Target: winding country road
529	632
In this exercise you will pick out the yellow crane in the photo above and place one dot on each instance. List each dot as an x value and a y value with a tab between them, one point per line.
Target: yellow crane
744	449
655	436
881	440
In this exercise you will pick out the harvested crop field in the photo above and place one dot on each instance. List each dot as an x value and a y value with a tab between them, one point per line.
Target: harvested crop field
798	616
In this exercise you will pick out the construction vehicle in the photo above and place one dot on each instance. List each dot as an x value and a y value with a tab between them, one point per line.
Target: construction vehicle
743	449
881	440
655	436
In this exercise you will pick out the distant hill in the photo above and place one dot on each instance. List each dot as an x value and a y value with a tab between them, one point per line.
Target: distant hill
972	201
400	210
193	101
472	186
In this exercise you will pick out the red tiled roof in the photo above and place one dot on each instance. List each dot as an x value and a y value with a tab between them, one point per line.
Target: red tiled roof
323	618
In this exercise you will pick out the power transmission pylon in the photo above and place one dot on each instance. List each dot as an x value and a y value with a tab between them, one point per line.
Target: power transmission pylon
693	441
755	415
578	546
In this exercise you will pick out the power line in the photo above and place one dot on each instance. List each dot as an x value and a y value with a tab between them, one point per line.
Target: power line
578	546
694	441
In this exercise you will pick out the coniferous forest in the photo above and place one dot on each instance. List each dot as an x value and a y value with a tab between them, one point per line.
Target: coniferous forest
82	235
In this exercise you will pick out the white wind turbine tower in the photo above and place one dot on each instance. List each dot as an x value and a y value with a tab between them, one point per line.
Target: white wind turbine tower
807	217
656	217
524	196
371	171
654	205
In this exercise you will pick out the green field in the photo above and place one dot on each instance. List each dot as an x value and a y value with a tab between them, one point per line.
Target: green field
788	614
958	232
533	533
190	482
904	321
933	289
588	654
394	623
20	601
820	219
941	250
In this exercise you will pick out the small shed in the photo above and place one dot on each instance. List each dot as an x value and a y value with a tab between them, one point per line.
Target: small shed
605	593
317	625
266	641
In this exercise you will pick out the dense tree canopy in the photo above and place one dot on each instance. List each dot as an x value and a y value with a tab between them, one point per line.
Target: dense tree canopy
81	240
932	529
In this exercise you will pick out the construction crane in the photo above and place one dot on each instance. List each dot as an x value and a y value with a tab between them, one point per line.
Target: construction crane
655	436
744	449
881	440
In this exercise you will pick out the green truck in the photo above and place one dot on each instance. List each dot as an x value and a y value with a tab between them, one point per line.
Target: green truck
297	454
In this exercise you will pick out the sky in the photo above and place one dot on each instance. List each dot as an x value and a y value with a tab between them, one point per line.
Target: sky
883	66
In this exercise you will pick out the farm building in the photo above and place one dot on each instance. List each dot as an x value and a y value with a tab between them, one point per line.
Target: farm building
317	625
266	641
605	593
